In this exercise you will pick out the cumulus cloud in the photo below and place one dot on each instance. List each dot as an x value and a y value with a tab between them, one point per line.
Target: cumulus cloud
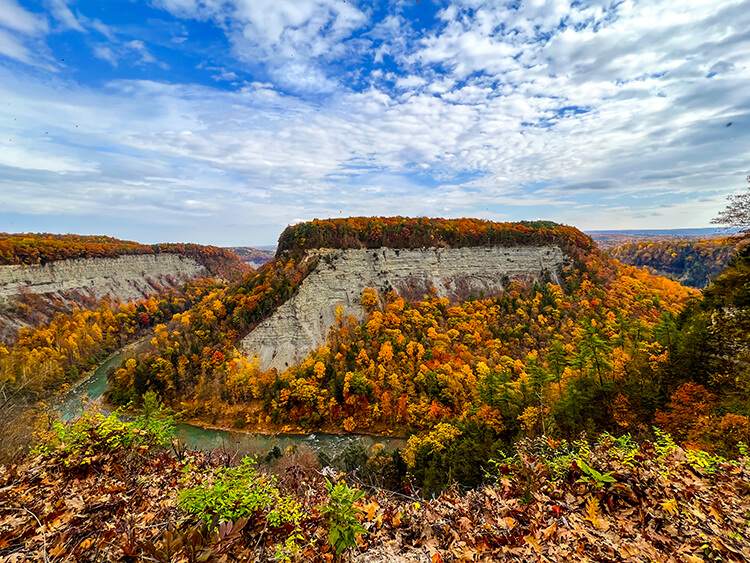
599	113
289	37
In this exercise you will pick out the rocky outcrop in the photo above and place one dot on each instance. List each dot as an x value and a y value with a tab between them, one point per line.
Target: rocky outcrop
80	281
125	277
303	322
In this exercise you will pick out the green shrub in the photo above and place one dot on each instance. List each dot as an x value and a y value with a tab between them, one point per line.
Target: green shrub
95	433
233	493
155	419
342	516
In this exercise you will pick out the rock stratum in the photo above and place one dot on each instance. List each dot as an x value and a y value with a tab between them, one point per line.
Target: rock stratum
126	278
302	323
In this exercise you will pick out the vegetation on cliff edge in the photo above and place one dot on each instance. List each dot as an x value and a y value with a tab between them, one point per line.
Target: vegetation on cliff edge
42	248
103	490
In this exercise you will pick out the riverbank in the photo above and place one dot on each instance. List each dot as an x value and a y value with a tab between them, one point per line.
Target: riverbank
295	430
93	385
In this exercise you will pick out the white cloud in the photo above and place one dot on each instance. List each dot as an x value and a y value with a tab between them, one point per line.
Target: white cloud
64	15
288	36
139	47
20	31
495	112
104	29
226	75
27	158
410	82
106	54
12	16
13	47
113	53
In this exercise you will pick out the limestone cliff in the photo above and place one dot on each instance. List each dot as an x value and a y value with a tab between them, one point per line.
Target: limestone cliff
302	323
127	278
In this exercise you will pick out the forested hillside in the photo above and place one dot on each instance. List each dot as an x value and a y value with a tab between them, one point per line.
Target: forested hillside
43	362
694	263
601	352
42	248
47	341
422	232
714	350
66	272
551	401
253	256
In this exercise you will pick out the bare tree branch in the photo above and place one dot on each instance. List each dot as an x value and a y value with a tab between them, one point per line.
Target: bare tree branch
737	213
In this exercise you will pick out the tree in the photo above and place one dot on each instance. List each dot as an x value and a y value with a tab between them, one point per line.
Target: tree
737	213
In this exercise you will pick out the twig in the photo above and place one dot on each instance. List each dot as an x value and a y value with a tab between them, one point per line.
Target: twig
44	535
387	492
263	531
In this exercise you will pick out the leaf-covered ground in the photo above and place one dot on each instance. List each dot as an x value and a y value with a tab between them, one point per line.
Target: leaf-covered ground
116	499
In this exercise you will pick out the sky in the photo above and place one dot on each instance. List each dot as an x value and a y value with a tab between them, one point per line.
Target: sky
223	121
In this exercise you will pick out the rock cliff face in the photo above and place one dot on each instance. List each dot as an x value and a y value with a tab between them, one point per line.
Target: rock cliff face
303	322
127	278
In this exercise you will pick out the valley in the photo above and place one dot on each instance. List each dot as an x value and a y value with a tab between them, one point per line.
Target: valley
429	362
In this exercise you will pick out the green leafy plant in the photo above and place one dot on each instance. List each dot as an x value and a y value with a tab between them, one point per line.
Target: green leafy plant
240	492
594	477
156	419
664	444
705	460
95	433
342	516
622	448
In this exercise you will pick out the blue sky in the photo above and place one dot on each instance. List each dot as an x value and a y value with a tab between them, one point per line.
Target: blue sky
223	121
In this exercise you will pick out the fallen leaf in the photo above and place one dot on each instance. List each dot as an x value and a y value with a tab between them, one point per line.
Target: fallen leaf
670	506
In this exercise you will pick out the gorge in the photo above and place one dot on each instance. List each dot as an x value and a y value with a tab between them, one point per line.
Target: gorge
339	277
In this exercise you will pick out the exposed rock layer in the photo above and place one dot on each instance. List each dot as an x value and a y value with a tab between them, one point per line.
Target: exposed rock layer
127	278
302	323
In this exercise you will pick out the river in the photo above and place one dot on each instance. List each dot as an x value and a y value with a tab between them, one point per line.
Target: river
196	437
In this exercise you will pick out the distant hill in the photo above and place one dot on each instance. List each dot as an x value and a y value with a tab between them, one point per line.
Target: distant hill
692	262
252	256
609	239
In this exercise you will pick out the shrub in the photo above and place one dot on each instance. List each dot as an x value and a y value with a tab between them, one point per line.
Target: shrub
94	434
342	516
233	493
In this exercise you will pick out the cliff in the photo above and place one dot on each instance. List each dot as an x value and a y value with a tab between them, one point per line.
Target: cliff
125	277
302	323
75	282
